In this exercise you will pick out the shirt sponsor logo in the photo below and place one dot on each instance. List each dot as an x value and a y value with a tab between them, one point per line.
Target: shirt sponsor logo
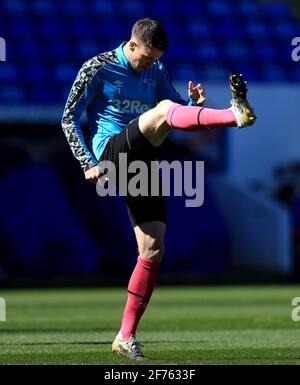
130	106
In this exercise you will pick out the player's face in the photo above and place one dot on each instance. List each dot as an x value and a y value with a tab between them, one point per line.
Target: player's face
143	57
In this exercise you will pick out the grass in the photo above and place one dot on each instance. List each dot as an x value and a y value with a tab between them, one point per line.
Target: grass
183	325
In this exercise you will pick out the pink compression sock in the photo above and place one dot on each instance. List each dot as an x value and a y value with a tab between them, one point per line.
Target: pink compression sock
190	118
140	288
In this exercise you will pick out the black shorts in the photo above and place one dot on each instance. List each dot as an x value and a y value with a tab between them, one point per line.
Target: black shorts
131	141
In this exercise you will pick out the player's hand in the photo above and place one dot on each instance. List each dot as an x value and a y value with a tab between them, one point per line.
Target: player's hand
197	93
93	174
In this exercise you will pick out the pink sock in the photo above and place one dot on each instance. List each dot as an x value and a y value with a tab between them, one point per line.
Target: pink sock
140	288
190	118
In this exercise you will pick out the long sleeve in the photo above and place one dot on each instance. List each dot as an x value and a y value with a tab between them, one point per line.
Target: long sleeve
85	87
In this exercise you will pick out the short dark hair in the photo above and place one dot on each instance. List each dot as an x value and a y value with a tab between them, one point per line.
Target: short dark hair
151	33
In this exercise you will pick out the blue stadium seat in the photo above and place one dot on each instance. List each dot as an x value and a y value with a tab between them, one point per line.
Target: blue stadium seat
8	72
256	29
88	49
266	51
12	93
207	51
132	7
103	7
42	95
51	27
185	73
214	73
58	49
284	30
20	27
236	51
34	72
108	30
81	29
65	73
199	28
174	32
189	9
44	7
274	72
219	8
228	29
277	10
14	6
30	49
247	9
165	8
75	8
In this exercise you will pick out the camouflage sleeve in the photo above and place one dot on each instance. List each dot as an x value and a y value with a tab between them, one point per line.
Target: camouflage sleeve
85	87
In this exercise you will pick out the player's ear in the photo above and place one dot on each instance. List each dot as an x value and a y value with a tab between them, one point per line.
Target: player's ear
132	44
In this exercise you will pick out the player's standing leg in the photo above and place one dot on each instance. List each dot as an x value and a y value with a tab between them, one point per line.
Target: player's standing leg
150	240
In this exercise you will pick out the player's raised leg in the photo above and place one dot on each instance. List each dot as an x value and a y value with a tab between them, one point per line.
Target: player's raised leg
158	122
150	239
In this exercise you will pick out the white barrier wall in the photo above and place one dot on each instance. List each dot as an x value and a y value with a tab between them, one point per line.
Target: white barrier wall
259	229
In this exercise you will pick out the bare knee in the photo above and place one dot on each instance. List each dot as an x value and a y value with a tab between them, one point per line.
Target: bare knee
163	107
150	240
153	123
152	250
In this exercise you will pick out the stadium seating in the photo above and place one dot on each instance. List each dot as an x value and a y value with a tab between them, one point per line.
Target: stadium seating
48	41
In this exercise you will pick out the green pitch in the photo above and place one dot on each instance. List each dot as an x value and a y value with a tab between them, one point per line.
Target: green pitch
183	325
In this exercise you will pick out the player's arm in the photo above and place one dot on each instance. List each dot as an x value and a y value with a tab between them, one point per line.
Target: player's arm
167	90
85	87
